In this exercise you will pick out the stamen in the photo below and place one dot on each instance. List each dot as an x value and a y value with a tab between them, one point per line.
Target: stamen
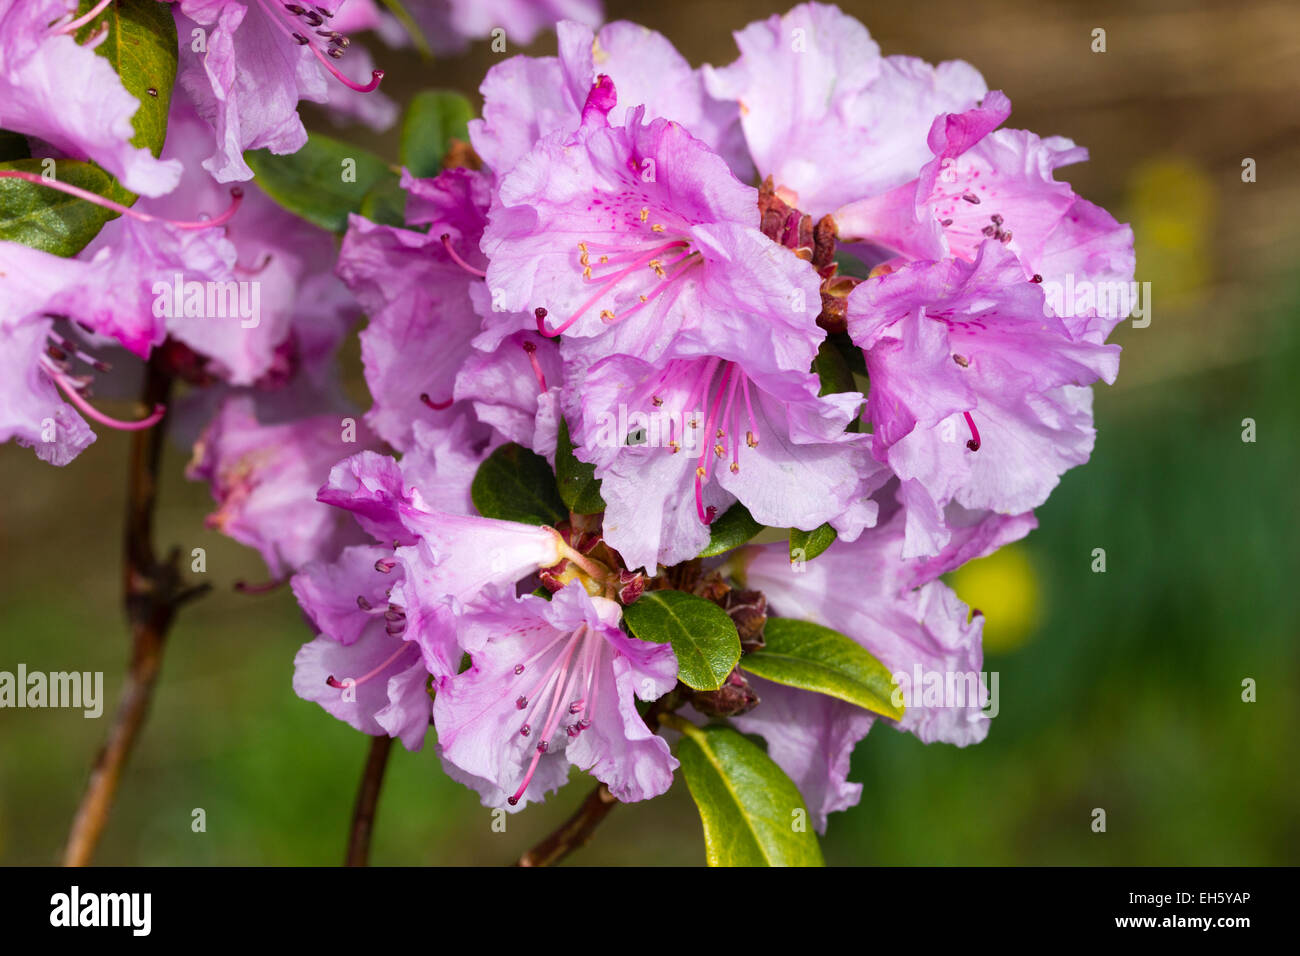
974	443
74	396
340	685
609	283
236	196
455	257
314	19
75	25
531	349
436	406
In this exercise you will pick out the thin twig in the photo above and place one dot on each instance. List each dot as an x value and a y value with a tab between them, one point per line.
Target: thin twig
574	832
363	814
153	592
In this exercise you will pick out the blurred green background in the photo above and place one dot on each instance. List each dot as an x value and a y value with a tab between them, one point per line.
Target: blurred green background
1119	690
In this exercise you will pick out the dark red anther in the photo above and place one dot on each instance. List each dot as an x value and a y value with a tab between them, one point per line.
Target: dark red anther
974	443
436	406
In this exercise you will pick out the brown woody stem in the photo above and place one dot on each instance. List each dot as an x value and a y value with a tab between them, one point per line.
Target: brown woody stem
363	814
574	832
153	592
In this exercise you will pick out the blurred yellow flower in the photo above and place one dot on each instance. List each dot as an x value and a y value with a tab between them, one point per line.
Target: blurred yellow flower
1005	587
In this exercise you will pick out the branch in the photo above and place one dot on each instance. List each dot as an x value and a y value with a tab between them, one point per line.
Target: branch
363	814
152	593
574	832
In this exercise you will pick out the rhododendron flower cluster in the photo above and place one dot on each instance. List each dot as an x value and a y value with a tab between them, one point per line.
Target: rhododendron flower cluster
687	385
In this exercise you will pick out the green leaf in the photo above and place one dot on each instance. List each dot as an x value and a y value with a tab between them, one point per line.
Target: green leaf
515	484
579	486
50	220
141	46
753	814
832	369
811	657
702	634
385	203
731	530
311	183
852	355
806	545
432	120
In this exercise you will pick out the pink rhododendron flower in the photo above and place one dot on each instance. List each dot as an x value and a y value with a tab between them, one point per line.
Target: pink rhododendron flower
826	115
69	97
552	685
264	480
257	59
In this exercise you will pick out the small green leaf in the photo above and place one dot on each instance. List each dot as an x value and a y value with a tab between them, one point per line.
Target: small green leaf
811	657
753	814
731	530
323	181
515	484
832	369
50	220
141	45
579	486
850	265
385	203
433	119
702	634
852	355
806	545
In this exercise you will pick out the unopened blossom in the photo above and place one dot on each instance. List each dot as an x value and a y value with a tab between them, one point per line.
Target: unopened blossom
67	96
553	685
361	667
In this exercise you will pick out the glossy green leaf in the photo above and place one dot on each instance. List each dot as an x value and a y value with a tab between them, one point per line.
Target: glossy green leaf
732	529
50	220
811	657
702	634
806	545
141	45
832	369
385	203
516	484
433	119
579	486
852	355
753	814
323	182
